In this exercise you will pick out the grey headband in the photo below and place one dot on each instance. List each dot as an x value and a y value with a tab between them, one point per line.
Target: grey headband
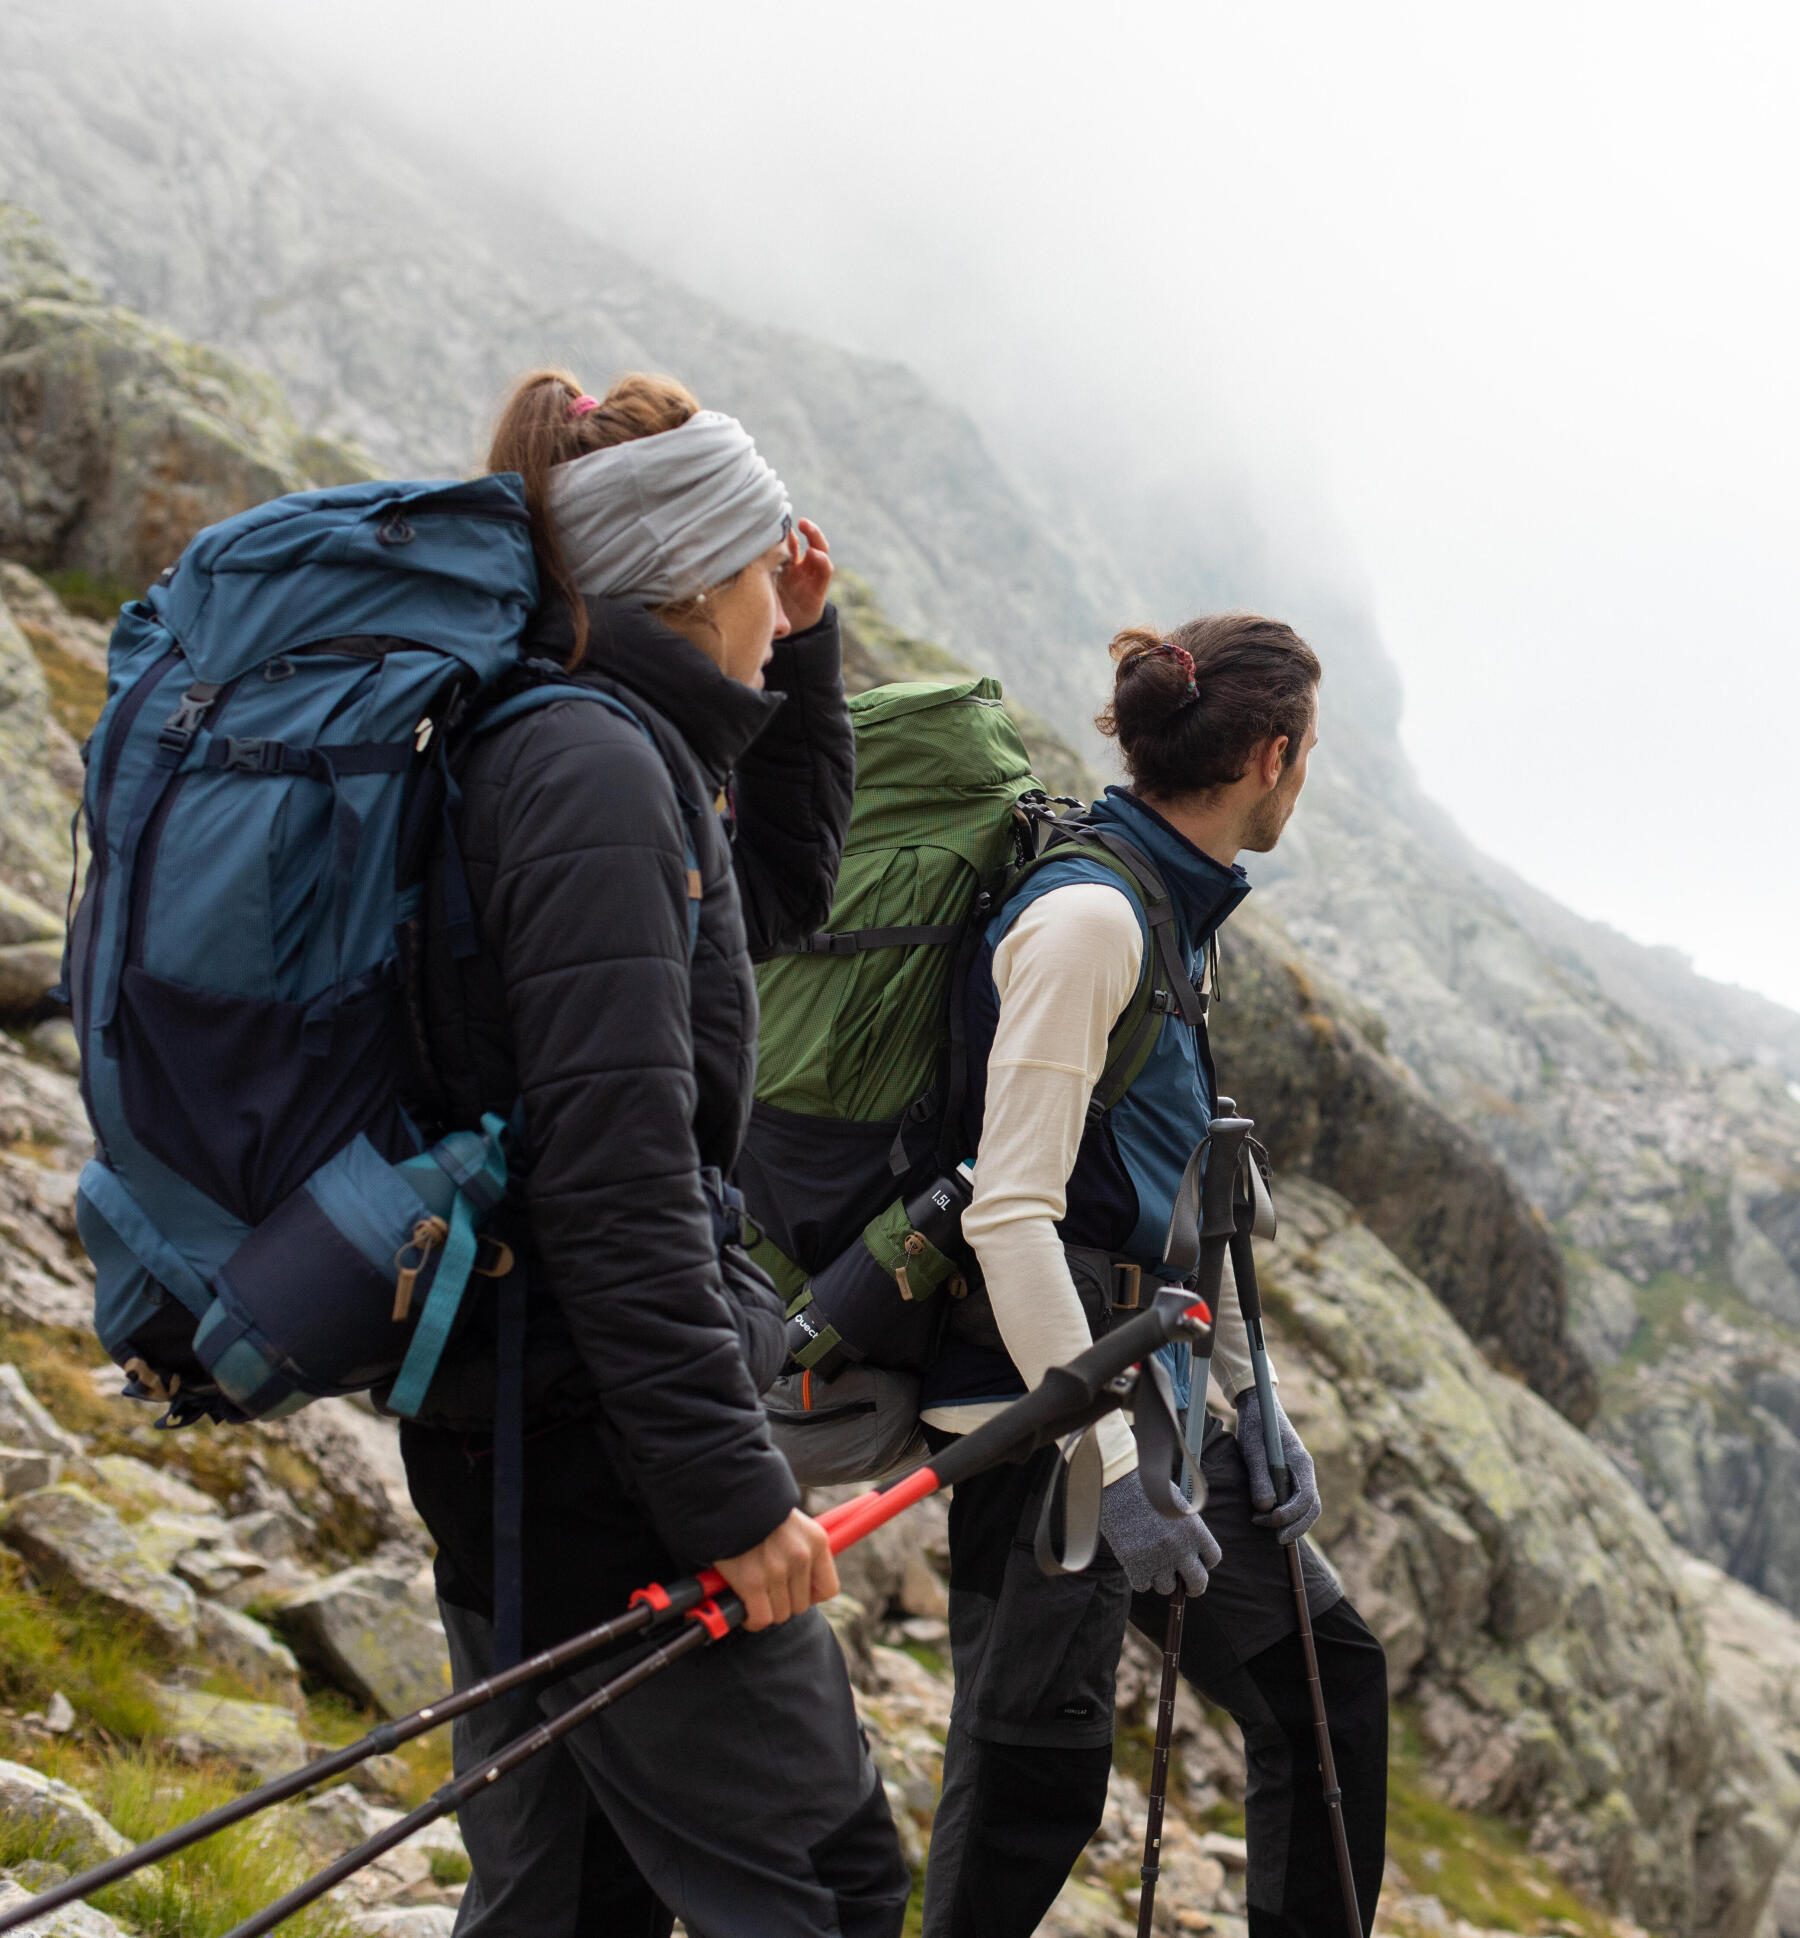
664	517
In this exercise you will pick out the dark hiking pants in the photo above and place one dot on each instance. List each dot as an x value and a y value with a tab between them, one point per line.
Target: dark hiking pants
1030	1743
733	1789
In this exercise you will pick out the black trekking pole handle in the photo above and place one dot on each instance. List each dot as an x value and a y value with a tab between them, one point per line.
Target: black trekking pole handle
1086	1388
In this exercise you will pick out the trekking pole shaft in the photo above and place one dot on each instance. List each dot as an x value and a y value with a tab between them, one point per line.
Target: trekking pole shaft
1159	1765
1243	1270
1334	1797
1243	1266
379	1742
456	1793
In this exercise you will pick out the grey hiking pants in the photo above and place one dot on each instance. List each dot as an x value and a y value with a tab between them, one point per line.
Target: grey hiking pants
733	1790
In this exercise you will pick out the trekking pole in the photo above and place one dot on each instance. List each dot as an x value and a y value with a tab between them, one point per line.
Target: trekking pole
1243	1266
1069	1397
1224	1139
655	1608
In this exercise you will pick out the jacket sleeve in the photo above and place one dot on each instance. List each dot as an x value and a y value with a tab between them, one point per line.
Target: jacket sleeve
793	791
589	917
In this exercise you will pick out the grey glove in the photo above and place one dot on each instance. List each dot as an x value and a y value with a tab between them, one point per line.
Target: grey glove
1152	1551
1303	1507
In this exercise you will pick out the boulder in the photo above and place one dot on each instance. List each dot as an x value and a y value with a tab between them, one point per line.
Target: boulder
271	1533
149	1488
34	811
74	1542
362	1630
25	1469
260	1737
23	920
28	973
72	1921
340	1818
243	1646
25	1423
67	1828
163	1537
405	1921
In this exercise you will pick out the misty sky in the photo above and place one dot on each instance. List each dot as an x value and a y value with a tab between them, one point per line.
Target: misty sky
1492	310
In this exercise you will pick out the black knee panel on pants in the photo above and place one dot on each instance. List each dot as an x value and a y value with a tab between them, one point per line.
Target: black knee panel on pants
861	1866
1035	1810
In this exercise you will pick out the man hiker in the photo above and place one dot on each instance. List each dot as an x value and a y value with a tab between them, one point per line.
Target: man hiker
1070	1212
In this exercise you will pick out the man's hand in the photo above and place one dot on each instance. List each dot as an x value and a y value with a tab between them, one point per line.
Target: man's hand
1303	1507
1155	1553
806	578
784	1574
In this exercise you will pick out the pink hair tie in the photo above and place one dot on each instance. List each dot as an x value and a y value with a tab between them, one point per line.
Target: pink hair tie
583	404
1167	649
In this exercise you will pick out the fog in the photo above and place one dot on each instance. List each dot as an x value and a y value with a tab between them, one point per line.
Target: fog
1487	314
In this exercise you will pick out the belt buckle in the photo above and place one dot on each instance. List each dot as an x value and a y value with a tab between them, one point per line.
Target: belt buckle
1128	1285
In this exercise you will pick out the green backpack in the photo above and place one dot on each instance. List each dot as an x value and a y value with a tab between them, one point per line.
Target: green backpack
855	1063
850	1170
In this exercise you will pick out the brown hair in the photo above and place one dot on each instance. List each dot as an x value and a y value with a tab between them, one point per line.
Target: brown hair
536	432
1190	709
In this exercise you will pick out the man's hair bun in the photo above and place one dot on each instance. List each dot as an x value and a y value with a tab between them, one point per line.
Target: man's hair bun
1188	710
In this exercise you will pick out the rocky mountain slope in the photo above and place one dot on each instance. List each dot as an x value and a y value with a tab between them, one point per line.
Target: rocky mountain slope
1568	1756
395	294
1386	984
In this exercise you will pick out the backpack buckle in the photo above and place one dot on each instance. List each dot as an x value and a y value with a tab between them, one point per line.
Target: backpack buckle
1127	1285
254	756
179	729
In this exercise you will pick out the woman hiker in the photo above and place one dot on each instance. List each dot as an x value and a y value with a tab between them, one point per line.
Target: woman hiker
1215	724
623	873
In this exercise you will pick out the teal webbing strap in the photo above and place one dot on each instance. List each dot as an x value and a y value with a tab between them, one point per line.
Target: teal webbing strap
448	1284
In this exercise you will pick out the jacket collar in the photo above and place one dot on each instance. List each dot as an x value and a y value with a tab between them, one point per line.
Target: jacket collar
717	716
1205	892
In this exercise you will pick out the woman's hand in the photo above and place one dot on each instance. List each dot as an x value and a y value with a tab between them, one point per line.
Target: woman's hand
806	578
785	1573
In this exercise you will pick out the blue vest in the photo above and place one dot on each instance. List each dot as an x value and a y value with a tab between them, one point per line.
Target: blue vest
1122	1188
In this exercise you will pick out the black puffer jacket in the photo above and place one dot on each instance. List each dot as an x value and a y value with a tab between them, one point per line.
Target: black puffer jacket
635	1061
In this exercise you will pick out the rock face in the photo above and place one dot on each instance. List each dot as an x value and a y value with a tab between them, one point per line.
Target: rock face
1331	1105
261	1738
121	441
364	1631
247	1649
1532	1608
72	1921
74	1833
71	1540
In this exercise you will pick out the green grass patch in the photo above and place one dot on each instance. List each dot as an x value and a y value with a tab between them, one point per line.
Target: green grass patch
77	690
57	1363
95	1659
91	595
927	1657
1477	1867
450	1868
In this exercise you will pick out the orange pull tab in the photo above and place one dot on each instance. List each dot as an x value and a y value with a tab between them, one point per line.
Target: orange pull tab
411	1259
694	889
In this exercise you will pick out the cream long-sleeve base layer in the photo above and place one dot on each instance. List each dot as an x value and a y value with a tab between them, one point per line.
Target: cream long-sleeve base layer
1064	971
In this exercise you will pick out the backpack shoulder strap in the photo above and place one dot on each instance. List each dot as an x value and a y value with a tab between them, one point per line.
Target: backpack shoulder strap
1163	987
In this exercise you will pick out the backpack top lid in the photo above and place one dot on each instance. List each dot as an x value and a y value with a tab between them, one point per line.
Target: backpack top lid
443	562
938	765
